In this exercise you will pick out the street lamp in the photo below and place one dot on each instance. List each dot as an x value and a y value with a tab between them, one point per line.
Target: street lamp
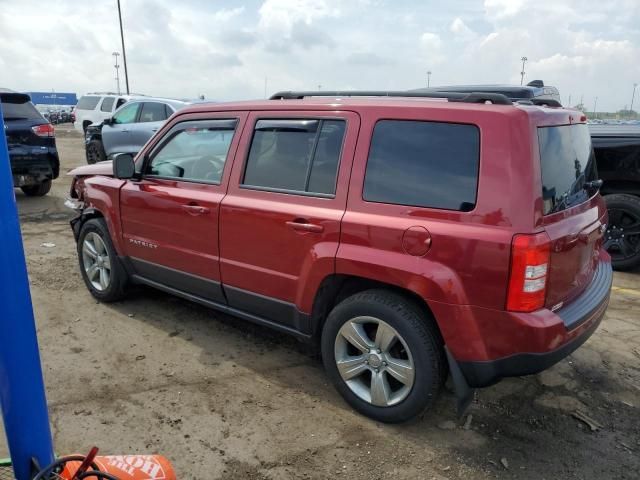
124	53
428	78
524	60
595	103
633	95
117	67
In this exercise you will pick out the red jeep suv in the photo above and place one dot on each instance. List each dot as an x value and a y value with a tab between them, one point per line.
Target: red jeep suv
412	235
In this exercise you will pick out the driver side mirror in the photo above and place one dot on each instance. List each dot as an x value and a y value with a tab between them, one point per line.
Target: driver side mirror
108	121
124	167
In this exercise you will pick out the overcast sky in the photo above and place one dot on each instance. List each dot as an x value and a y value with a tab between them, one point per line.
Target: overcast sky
225	49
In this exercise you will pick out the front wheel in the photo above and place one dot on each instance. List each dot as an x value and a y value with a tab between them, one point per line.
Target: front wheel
384	355
622	238
101	270
95	152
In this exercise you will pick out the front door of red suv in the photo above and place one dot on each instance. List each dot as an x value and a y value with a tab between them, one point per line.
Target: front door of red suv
170	216
280	221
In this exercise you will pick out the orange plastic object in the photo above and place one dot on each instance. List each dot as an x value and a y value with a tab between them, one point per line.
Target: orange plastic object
128	467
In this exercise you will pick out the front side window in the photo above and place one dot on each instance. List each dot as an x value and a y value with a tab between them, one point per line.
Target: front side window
195	151
423	164
153	112
128	114
300	155
107	104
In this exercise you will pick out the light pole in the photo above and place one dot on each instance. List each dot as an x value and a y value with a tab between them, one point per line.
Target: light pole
117	67
428	78
569	101
524	60
124	53
595	103
633	95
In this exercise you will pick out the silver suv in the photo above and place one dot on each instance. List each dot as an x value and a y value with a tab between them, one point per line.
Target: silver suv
129	128
95	107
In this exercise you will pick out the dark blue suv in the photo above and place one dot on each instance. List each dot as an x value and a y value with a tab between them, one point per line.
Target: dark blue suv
32	144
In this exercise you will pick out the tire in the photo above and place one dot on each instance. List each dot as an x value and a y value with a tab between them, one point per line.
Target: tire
95	152
417	343
111	286
622	238
39	190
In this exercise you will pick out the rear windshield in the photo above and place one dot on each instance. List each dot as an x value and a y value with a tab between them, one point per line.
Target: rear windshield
88	102
20	111
567	161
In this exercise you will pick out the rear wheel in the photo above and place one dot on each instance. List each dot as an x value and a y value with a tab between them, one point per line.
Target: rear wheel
39	190
383	355
622	238
100	267
95	152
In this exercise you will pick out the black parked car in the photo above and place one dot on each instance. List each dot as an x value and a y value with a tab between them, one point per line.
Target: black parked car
617	149
32	144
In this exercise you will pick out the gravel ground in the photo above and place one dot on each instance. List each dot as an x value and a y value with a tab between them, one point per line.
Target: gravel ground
227	400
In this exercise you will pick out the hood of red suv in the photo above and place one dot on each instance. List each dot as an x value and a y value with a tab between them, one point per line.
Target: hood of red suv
100	168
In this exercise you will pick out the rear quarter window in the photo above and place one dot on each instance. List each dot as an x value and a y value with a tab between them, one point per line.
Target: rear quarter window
88	102
567	161
107	104
423	164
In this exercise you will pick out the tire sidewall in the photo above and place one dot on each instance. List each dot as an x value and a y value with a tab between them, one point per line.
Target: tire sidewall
631	203
424	354
118	276
95	145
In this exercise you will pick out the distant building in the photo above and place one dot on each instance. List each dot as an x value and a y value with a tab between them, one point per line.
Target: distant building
53	99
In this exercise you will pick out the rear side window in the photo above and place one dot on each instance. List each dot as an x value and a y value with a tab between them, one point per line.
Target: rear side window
567	161
295	155
88	102
20	111
423	164
107	104
153	112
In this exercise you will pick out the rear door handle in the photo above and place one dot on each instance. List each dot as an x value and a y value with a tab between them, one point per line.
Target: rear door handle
195	209
303	225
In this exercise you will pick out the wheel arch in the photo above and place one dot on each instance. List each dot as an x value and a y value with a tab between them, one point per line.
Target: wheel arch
336	287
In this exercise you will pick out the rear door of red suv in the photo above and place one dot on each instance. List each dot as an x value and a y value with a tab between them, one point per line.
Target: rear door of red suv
573	213
280	220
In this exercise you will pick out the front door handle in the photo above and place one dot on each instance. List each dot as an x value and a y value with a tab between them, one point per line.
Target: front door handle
303	225
195	209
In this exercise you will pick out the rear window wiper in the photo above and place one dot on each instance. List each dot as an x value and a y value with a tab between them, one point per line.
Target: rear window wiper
593	185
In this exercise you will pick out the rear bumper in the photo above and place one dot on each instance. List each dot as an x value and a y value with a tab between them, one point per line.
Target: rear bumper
31	166
531	343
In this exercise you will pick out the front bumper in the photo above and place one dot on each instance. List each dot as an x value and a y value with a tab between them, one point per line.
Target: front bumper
538	340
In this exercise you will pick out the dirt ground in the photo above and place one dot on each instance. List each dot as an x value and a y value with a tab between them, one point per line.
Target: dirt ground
224	399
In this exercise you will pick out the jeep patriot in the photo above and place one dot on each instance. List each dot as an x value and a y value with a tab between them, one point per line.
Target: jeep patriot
410	237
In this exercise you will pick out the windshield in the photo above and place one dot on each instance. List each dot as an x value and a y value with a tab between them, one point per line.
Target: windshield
567	162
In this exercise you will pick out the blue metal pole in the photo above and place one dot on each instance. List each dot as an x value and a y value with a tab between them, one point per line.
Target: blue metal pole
22	396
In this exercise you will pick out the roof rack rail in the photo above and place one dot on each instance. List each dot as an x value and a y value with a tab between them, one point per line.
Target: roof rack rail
475	97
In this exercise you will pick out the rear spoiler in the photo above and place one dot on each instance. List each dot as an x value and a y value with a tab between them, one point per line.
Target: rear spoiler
14	97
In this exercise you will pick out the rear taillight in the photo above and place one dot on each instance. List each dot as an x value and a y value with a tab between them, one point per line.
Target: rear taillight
529	271
45	130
